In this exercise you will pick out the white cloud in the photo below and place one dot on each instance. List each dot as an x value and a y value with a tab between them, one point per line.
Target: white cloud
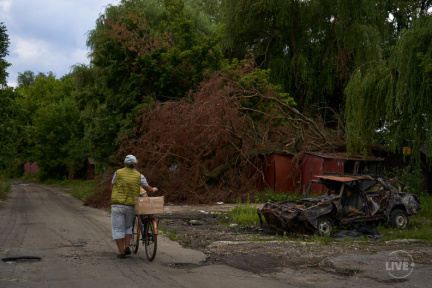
30	50
48	35
4	8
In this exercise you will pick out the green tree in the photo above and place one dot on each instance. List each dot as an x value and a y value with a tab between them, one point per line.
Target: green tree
27	78
52	131
311	47
142	51
57	137
4	45
390	100
8	129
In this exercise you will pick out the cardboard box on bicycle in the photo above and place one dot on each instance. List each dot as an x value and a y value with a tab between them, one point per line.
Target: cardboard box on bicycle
149	205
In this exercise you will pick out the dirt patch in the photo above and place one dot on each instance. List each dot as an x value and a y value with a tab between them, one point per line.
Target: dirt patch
252	249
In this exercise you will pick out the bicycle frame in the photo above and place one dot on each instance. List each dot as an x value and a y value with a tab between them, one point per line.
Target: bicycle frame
145	230
143	219
146	233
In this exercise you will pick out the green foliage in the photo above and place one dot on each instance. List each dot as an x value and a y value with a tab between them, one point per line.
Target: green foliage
412	177
56	138
310	47
5	186
8	109
148	51
142	51
244	214
8	127
52	132
392	97
419	228
270	195
79	189
4	45
426	206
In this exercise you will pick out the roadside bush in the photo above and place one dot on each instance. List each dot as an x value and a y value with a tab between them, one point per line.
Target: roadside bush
244	215
414	179
426	204
270	195
410	176
5	186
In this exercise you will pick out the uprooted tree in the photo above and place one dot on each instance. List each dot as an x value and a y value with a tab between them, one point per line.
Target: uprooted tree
210	146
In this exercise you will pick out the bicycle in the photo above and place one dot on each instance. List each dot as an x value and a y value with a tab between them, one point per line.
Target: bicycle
145	229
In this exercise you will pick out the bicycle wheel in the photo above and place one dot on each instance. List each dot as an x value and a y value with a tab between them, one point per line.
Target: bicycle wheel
150	239
134	243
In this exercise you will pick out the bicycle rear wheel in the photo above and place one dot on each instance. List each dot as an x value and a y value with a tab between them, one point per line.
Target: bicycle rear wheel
150	239
134	243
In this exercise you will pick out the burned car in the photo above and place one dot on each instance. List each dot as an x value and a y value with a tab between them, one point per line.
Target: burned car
349	199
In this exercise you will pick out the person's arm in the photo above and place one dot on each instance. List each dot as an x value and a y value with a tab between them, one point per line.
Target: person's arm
113	180
146	186
150	189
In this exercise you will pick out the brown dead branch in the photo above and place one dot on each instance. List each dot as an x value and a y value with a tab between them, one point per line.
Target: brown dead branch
211	146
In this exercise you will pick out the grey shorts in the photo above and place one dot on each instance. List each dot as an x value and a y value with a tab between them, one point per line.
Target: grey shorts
121	220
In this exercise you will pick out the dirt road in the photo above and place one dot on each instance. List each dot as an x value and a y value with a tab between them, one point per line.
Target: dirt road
75	249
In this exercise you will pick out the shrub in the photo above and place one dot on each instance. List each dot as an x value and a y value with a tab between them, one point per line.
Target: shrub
5	186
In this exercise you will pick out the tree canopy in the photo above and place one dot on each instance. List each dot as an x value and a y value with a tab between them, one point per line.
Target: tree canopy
391	97
202	89
8	109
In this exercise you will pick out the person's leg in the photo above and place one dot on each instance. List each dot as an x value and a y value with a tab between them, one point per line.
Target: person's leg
128	239
121	245
130	216
127	249
118	220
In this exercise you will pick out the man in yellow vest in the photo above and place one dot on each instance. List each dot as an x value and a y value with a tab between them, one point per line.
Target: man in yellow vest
125	186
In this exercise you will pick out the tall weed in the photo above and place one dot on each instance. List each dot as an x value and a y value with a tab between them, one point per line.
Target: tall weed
80	189
410	176
5	186
426	206
270	195
244	214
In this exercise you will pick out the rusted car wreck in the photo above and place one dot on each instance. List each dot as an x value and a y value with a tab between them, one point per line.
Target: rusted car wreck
350	199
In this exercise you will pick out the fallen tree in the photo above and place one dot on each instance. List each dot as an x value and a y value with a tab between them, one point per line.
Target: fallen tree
211	145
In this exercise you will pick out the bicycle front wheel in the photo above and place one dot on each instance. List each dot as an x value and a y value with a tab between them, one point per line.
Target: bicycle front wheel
134	243
150	239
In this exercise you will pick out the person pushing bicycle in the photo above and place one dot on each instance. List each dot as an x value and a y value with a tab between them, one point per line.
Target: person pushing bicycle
125	186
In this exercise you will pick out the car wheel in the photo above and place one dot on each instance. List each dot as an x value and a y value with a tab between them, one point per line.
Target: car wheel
399	219
324	226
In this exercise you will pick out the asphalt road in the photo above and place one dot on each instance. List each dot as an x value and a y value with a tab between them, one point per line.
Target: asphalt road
75	249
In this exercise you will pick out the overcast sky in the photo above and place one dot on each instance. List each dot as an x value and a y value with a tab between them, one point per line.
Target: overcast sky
48	35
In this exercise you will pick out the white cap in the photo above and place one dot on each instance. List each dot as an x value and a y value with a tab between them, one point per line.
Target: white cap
130	159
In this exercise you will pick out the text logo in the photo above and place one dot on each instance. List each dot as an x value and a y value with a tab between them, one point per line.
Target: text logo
400	264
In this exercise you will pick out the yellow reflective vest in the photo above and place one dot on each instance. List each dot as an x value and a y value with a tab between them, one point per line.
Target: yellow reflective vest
126	186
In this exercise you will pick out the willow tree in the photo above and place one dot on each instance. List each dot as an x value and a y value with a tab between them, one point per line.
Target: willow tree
311	47
390	101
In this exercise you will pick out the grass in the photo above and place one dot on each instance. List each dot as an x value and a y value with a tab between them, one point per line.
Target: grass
171	234
244	215
420	226
5	186
80	189
426	204
270	195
